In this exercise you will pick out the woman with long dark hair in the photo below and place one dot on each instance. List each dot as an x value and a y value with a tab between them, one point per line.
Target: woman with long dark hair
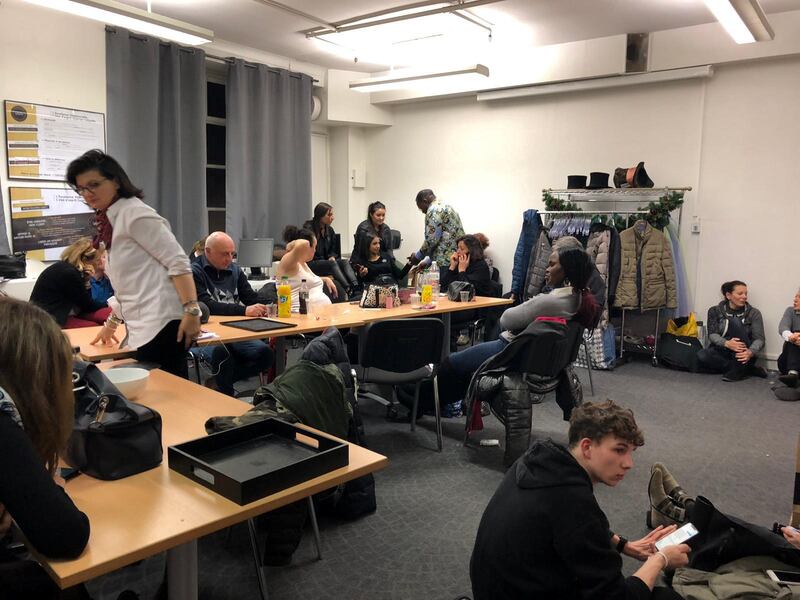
735	335
568	274
328	254
375	224
370	261
36	417
154	293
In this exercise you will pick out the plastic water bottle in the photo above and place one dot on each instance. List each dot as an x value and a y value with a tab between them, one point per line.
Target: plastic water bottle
433	280
303	296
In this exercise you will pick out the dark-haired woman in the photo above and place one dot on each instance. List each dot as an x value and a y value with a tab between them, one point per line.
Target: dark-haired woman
467	265
328	254
375	225
568	274
370	261
154	291
36	418
789	328
301	244
735	335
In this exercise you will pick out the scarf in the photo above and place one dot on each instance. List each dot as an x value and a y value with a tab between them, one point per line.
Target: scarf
104	231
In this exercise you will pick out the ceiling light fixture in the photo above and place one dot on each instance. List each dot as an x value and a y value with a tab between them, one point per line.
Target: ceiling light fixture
744	20
135	19
404	79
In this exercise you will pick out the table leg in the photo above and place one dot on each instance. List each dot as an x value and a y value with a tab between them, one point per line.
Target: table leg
280	355
446	344
182	572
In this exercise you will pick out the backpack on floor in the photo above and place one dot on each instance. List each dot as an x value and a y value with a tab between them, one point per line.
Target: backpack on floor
678	351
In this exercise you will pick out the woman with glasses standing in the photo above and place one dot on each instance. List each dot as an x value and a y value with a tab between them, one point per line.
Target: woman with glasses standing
154	291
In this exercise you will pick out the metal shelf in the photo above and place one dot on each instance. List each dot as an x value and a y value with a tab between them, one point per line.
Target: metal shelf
638	192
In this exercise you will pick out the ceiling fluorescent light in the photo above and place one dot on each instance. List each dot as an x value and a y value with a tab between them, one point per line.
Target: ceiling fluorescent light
744	20
405	79
135	19
597	84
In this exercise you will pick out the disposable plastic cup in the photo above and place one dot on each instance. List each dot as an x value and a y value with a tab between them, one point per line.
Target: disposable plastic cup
464	296
272	311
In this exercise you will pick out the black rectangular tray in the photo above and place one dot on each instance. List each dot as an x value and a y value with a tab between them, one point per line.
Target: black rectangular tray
253	461
258	324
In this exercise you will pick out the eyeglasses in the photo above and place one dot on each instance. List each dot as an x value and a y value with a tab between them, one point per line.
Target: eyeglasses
90	187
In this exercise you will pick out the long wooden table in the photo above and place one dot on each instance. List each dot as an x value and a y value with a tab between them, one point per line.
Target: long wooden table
343	315
139	516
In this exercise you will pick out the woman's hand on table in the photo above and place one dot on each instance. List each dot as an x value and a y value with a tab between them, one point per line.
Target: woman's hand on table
106	337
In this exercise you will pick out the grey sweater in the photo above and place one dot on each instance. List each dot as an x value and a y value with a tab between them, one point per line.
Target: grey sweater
750	316
561	302
790	321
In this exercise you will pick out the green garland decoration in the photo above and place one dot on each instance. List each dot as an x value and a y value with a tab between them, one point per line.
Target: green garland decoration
657	212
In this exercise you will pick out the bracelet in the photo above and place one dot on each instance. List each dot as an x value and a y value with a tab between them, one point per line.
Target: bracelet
621	543
666	560
110	324
188	302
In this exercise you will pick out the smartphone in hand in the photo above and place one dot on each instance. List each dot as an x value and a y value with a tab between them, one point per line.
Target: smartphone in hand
679	536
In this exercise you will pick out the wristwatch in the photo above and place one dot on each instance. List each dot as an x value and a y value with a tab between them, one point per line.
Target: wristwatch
192	308
621	544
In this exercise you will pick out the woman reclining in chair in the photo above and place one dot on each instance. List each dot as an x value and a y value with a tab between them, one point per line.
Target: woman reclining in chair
567	273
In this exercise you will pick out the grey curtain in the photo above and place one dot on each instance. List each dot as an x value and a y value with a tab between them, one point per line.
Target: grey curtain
156	106
268	150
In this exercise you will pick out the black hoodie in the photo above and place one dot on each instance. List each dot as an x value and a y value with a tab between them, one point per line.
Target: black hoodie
543	536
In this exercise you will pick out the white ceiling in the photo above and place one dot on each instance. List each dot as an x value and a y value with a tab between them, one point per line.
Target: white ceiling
537	22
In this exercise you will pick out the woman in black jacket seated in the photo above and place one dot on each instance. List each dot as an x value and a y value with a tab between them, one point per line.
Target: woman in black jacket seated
328	255
64	288
36	418
735	336
468	265
370	261
375	224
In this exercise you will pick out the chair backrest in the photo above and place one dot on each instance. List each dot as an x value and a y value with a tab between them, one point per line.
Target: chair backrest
495	276
397	239
402	345
551	352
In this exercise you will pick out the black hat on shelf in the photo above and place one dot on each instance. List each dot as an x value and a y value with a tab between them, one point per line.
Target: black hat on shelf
576	182
597	181
634	177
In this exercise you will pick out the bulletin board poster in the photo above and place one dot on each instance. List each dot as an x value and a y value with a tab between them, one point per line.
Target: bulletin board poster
42	140
44	221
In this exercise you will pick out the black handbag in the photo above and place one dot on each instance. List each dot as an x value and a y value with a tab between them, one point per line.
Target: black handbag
678	351
454	290
12	266
112	438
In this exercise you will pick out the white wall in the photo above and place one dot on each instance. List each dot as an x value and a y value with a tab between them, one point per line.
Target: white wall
734	139
48	58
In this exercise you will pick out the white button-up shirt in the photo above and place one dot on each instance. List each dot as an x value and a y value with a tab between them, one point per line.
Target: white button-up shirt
143	258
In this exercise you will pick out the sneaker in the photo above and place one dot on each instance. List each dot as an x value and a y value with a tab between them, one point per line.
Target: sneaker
463	340
790	379
734	375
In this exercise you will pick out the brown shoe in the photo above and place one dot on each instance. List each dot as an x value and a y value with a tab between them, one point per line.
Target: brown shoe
663	509
671	486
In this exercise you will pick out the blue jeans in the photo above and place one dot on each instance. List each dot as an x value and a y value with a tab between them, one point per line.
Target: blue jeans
468	360
232	362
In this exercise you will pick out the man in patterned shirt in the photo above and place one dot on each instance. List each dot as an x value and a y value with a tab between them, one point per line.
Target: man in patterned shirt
442	229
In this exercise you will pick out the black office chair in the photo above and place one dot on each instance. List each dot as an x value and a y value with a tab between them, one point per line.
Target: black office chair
397	239
398	351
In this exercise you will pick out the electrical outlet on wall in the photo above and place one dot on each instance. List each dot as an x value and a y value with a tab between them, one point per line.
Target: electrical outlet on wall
696	225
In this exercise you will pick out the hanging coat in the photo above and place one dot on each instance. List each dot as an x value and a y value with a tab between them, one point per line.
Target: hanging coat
531	223
647	276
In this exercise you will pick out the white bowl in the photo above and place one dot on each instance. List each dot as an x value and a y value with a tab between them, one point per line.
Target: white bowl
131	381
